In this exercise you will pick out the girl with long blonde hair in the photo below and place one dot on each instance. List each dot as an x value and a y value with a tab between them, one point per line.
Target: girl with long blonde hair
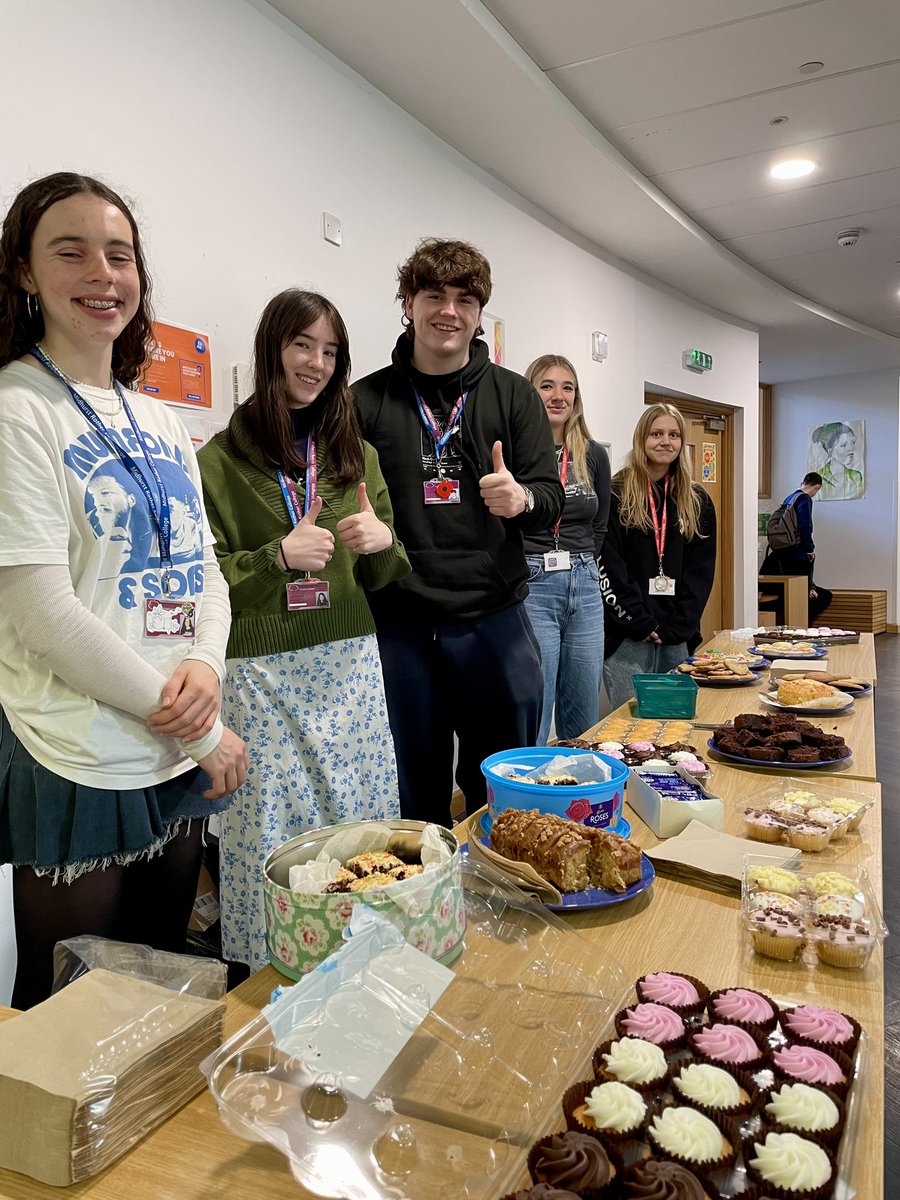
563	601
659	556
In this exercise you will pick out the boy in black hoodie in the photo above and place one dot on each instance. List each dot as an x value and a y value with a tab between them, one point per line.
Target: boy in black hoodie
468	458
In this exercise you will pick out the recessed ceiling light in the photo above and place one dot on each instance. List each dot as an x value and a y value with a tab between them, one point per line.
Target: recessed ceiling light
779	120
810	68
793	168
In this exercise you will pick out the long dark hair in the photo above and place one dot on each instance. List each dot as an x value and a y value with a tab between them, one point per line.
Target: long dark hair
268	414
19	329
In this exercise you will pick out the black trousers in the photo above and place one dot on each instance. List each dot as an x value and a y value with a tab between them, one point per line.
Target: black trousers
479	679
784	562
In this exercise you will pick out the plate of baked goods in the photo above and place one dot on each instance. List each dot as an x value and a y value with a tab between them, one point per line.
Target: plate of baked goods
783	649
844	683
805	696
591	868
717	672
778	740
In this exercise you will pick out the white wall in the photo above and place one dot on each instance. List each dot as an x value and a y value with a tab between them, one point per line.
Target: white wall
856	540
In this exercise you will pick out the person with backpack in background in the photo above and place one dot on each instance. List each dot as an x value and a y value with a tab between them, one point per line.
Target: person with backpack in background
792	550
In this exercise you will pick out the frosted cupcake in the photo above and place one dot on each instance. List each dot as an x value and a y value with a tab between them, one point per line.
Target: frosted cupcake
820	1027
652	1022
690	1138
611	1111
573	1161
778	902
830	882
660	1179
810	1111
845	807
764	825
832	905
631	1060
728	1046
684	993
842	942
712	1090
805	1064
791	1166
776	934
742	1006
543	1191
774	879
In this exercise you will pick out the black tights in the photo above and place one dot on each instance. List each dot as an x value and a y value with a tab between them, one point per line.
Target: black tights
148	901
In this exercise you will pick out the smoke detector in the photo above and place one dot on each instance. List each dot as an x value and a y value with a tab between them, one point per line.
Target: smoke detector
848	237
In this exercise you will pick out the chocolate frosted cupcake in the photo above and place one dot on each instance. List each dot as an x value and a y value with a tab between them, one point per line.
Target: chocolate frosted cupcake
744	1007
575	1162
691	1139
652	1022
613	1111
790	1167
729	1046
810	1111
659	1179
684	993
820	1027
640	1064
543	1191
807	1064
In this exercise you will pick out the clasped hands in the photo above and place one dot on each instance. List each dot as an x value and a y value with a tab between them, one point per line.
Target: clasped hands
308	547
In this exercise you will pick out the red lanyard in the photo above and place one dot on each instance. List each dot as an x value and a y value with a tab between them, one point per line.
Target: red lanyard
659	532
563	475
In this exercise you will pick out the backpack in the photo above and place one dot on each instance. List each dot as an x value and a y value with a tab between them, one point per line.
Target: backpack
782	532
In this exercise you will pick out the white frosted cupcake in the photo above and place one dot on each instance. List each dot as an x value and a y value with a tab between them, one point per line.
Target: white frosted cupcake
639	1063
690	1138
791	1166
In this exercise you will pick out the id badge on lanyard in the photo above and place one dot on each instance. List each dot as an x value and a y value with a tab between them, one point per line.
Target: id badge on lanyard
308	592
556	559
162	617
660	584
441	490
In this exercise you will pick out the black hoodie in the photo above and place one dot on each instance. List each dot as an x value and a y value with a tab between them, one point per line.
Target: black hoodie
466	563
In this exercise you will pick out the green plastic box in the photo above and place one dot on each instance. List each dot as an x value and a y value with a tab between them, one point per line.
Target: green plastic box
665	695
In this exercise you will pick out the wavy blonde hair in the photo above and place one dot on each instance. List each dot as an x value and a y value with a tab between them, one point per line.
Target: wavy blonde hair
634	477
576	435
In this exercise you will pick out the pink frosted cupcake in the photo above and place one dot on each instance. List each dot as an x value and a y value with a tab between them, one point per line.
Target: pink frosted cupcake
820	1027
806	1064
744	1007
652	1022
728	1046
684	993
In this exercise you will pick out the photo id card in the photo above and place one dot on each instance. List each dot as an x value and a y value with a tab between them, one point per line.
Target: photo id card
308	593
661	585
441	491
170	618
557	560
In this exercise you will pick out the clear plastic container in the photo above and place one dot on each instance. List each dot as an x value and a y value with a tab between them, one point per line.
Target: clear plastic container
807	796
837	917
473	1074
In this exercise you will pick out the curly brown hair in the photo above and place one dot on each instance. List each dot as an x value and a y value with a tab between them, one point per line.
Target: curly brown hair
268	413
437	263
19	330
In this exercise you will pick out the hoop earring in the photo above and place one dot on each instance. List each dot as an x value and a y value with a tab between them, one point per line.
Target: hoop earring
32	305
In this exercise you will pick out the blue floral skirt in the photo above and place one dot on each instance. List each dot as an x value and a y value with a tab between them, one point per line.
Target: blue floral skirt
67	829
320	751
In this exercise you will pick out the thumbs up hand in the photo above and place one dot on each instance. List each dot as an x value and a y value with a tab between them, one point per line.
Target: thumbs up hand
499	490
363	532
307	547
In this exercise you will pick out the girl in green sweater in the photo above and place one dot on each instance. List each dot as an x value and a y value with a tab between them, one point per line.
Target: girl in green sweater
303	528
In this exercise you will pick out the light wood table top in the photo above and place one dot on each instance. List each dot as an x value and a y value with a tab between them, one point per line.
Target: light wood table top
674	926
857	658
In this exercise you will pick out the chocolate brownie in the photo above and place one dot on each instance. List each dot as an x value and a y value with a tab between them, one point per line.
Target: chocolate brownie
803	754
751	721
832	753
728	745
765	753
784	721
748	737
790	737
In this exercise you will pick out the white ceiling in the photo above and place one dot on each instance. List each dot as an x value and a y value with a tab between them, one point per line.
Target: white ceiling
644	126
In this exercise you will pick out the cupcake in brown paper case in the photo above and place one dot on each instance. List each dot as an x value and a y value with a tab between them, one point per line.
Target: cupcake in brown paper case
797	1063
713	1091
813	1112
573	1161
729	1046
790	1167
640	1064
652	1022
543	1191
825	1028
684	993
661	1179
613	1111
690	1138
744	1007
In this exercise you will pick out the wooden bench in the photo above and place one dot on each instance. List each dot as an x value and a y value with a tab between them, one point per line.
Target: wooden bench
788	596
861	609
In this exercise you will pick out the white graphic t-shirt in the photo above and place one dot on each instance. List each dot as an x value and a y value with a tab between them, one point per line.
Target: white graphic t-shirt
66	498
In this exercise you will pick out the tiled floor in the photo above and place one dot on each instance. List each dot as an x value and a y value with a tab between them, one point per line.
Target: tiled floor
887	727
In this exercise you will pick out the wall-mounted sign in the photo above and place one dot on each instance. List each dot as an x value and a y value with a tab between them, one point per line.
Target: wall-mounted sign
696	360
179	370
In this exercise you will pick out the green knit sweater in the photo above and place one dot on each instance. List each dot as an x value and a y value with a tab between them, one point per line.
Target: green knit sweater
249	518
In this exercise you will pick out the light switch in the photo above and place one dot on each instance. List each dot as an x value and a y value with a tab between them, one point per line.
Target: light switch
331	228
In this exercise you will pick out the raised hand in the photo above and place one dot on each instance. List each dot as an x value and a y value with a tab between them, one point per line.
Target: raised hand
499	490
363	532
306	547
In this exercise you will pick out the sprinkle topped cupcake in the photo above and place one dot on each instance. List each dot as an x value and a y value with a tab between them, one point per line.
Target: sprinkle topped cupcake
792	1164
688	1136
842	942
681	992
742	1006
653	1022
631	1060
833	905
778	903
727	1044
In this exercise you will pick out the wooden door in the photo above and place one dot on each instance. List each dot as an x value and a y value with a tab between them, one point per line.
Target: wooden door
711	453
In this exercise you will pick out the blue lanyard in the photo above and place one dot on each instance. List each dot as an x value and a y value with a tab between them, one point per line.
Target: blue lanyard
291	499
430	422
158	505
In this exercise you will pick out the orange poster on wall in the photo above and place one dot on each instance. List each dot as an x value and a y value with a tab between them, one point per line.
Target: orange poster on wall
180	369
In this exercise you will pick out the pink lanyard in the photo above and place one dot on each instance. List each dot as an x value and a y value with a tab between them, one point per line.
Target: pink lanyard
659	532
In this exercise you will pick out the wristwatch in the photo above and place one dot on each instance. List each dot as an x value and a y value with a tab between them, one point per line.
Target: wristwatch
529	498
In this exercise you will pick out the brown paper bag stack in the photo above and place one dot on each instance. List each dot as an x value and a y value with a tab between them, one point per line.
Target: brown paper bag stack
90	1071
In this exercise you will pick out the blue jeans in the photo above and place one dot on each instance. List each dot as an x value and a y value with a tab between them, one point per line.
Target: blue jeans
566	613
638	658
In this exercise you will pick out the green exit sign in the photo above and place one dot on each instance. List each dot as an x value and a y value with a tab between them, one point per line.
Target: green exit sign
696	360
